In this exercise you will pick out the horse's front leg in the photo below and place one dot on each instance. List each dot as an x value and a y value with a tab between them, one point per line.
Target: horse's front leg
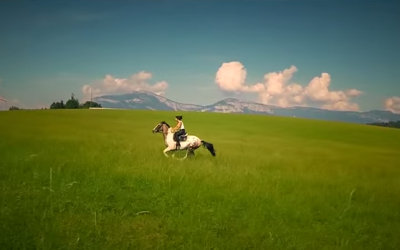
165	151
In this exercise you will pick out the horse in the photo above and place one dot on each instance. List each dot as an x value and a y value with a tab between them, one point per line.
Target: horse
188	142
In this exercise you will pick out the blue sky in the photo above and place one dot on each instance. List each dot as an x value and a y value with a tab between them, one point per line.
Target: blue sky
50	49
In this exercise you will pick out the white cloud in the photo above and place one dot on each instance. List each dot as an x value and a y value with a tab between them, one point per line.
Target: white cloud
231	78
276	89
112	85
393	104
353	92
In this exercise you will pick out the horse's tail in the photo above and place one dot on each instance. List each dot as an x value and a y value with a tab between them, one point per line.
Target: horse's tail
209	146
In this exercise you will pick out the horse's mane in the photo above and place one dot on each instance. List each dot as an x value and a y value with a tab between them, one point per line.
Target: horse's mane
163	122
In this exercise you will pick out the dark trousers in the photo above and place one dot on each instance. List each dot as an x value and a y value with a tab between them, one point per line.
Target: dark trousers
179	133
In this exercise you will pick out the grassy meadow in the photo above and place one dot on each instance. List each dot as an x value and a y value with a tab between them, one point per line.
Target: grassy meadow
97	179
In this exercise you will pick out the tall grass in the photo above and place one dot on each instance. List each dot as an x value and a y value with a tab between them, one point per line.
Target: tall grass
97	179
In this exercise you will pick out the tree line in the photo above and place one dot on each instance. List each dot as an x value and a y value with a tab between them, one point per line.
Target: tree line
73	103
386	124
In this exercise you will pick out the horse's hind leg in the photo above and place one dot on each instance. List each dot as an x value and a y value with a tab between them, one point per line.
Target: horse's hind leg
191	152
185	155
183	158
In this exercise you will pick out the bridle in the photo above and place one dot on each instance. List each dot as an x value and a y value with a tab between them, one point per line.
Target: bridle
157	128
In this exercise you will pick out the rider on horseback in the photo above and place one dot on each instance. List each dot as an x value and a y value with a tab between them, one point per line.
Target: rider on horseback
179	130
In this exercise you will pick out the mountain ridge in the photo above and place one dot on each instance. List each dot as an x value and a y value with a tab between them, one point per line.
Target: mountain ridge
147	100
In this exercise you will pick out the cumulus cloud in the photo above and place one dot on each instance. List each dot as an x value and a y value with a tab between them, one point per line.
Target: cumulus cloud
276	89
231	78
393	104
113	85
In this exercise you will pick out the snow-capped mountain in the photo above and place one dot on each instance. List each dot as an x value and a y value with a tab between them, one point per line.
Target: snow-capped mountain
151	101
143	100
232	105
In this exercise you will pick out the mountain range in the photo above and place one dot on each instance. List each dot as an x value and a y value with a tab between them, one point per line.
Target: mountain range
147	100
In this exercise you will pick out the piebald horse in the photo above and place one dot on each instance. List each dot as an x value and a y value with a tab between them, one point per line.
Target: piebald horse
188	142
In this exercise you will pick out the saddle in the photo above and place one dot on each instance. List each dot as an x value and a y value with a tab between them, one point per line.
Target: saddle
182	137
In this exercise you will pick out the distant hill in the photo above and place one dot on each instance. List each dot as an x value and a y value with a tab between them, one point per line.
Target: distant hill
143	100
151	101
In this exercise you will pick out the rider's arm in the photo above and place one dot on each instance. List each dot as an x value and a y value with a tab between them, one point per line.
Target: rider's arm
178	126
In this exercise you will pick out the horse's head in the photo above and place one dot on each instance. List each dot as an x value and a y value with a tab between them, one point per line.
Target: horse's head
157	128
161	127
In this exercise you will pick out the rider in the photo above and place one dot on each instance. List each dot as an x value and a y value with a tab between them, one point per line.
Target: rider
179	129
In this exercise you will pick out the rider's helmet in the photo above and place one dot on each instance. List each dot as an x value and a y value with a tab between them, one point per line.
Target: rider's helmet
179	117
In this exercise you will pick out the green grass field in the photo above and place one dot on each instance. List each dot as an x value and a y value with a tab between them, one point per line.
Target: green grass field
97	179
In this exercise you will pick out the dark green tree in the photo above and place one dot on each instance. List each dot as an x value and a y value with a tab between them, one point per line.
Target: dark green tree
72	103
89	104
386	124
14	108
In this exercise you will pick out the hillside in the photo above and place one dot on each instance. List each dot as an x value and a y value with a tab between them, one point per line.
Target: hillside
97	179
150	101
